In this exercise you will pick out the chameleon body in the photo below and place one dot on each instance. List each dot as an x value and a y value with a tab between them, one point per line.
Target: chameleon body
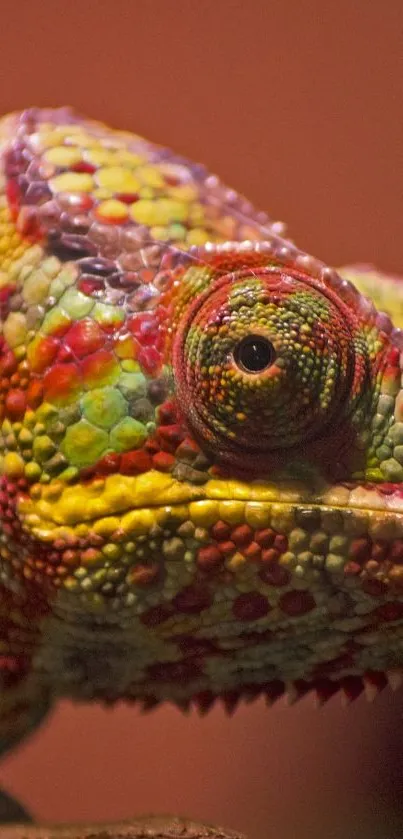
201	439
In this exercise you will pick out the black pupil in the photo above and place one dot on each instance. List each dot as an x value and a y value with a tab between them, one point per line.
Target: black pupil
254	353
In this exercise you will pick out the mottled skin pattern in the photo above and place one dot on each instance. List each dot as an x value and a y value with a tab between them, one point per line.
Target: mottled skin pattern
201	439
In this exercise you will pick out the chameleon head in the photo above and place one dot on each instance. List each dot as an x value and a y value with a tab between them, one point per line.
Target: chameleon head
201	444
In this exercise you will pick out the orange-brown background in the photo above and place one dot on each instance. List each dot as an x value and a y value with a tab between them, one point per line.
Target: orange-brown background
298	105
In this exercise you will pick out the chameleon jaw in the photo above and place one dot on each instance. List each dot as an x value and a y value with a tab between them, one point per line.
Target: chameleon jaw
351	535
243	590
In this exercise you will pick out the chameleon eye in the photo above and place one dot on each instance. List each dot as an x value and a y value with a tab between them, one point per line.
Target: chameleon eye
267	361
254	354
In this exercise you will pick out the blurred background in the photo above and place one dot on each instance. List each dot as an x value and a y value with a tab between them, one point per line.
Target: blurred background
299	105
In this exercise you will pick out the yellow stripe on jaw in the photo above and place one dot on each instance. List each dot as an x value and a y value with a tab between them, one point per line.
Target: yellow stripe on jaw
116	494
58	505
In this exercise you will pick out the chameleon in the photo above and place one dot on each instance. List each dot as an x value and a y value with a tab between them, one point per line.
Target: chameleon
201	440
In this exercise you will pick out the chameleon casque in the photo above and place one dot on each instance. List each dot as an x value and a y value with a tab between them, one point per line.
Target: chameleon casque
201	439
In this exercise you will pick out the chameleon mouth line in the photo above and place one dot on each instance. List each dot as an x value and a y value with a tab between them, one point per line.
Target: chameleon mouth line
139	521
140	501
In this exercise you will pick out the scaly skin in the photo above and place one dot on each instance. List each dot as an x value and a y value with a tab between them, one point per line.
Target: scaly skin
186	512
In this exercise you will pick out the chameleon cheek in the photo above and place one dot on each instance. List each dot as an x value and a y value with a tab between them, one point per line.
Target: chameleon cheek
263	362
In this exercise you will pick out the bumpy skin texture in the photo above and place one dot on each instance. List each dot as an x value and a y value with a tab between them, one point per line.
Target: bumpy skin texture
201	440
150	828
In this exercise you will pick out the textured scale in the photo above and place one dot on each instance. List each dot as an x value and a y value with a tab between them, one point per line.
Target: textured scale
201	439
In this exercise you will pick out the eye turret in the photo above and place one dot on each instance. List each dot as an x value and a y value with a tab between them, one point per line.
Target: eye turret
264	361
